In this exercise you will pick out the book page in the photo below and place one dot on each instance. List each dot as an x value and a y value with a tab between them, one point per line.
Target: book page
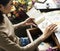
33	13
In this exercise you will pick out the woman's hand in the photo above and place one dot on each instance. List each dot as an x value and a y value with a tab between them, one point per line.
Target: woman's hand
49	30
30	21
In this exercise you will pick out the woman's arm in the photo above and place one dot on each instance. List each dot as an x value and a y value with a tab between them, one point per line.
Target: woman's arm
48	31
21	24
9	45
28	21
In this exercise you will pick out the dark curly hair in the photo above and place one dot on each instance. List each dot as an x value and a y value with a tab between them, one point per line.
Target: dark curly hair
4	3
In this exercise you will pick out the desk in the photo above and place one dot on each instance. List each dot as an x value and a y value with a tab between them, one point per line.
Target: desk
32	31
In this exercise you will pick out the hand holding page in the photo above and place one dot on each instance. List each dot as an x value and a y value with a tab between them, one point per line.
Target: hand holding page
33	13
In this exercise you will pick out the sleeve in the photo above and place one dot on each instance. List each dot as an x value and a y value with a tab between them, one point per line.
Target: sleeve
9	45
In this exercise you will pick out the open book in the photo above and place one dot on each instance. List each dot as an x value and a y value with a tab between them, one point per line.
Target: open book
36	14
51	17
45	19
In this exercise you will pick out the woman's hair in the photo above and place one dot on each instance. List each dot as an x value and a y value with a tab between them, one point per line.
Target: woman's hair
4	3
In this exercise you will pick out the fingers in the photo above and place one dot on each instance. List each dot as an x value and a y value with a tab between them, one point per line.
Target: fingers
31	24
52	26
32	18
53	30
49	30
28	20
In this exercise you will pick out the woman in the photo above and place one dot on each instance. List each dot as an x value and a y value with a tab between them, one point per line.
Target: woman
8	40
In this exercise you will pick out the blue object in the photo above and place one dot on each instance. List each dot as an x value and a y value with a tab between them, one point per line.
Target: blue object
24	41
